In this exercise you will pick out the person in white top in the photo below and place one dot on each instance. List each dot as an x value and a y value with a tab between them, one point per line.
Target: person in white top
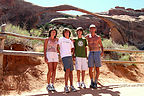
51	57
66	49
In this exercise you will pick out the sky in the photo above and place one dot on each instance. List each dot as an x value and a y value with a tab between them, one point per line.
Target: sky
91	5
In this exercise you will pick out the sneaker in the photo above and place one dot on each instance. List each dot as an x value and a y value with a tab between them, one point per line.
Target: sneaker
73	89
83	85
52	88
92	85
78	85
95	86
66	89
49	87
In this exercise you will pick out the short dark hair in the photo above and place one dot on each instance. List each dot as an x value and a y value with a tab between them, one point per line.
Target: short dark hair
51	31
65	31
81	30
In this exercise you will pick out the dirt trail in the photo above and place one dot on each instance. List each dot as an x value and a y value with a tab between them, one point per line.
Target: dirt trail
109	85
123	89
31	79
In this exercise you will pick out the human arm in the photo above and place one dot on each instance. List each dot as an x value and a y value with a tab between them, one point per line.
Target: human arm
73	53
58	47
73	48
101	46
45	49
87	37
86	52
86	48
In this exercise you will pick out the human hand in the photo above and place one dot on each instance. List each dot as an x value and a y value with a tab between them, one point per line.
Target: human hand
87	58
102	53
74	58
46	60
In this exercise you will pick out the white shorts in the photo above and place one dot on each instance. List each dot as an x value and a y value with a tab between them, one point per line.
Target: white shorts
81	63
52	56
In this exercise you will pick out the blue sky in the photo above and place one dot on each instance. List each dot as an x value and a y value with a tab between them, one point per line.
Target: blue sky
91	5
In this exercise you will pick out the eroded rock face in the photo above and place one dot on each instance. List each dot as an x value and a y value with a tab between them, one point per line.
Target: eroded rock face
130	32
85	22
122	11
18	64
129	25
6	3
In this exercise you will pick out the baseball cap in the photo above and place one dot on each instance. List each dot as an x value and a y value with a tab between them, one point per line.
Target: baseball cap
79	28
92	25
52	29
3	25
66	29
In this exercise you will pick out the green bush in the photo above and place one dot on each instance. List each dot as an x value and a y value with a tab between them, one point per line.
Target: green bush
16	29
108	43
125	57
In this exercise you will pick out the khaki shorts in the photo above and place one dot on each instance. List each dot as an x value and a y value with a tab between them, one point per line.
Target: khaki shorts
52	56
81	63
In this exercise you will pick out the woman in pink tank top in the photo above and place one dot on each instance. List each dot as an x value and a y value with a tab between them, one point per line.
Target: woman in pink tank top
51	57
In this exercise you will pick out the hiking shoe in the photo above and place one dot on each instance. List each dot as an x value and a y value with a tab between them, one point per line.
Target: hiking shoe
66	89
95	86
83	85
52	88
73	89
49	87
78	85
92	85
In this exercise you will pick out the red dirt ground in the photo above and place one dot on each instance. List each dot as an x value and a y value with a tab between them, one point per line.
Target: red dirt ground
27	75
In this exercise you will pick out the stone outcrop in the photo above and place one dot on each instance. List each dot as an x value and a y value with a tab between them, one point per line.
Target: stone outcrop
123	11
129	22
130	31
25	14
85	22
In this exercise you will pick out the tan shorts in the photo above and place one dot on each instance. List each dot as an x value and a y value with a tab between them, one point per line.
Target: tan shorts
52	56
81	63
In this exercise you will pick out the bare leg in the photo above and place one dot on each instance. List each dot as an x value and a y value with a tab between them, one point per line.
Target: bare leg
97	73
91	72
67	73
54	72
78	75
83	75
49	72
71	78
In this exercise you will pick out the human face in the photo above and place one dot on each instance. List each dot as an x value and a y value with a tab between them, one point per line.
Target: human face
79	32
93	30
66	34
53	33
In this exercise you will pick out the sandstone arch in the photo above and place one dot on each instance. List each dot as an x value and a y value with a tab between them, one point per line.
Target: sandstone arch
116	30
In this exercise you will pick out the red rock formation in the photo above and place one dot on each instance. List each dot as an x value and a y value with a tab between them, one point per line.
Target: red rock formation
7	3
122	11
21	12
142	9
130	9
117	7
138	11
117	12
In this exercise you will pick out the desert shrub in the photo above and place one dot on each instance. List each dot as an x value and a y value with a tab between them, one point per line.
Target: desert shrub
108	43
126	57
122	56
16	29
